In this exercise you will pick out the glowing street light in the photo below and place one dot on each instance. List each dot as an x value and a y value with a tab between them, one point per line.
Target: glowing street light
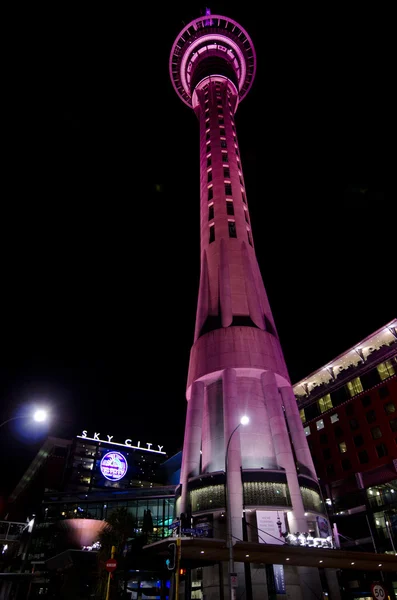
243	421
40	415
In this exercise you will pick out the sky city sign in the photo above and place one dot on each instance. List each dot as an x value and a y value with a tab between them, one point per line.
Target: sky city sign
127	442
113	466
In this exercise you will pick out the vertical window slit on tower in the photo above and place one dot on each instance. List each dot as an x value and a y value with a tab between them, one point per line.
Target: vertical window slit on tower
212	233
210	212
228	189
229	207
249	237
232	229
210	193
209	176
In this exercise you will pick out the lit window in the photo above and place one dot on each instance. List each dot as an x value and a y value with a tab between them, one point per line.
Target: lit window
389	408
355	387
342	447
376	433
320	424
386	369
302	415
325	403
334	418
307	430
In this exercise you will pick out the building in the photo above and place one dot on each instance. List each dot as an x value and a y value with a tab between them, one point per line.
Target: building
236	365
349	411
70	489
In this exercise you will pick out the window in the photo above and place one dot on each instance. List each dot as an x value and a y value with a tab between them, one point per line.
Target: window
386	370
225	157
376	433
236	150
223	144
221	121
212	234
393	424
354	386
210	193
330	469
389	408
325	403
346	464
307	430
208	149
327	453
243	197
358	440
222	131
381	450
209	178
323	438
209	161
249	237
246	216
366	401
371	416
228	189
320	424
353	424
342	447
302	415
226	172
207	135
232	229
241	180
211	212
363	457
384	392
220	110
334	418
349	409
229	208
338	431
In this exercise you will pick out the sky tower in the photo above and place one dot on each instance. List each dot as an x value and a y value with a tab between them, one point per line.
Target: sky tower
236	365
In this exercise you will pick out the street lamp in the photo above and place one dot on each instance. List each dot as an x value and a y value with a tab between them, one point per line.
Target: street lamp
243	421
39	416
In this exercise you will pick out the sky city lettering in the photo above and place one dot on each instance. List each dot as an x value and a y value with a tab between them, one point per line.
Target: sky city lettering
127	442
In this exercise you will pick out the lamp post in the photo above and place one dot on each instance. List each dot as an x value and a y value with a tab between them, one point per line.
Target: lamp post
243	421
39	416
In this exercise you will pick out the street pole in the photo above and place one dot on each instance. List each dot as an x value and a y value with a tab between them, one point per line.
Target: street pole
232	590
178	563
113	552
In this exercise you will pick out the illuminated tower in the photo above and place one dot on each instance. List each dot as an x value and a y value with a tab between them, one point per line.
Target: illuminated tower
236	364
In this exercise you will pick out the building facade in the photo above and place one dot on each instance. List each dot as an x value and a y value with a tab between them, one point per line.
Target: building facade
264	471
349	411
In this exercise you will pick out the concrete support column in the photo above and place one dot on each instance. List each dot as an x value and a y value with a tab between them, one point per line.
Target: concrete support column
285	459
192	442
232	418
298	436
333	584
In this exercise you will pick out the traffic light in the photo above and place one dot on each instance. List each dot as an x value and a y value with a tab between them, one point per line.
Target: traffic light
182	573
170	560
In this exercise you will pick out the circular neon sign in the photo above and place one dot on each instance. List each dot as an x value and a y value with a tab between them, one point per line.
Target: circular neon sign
113	466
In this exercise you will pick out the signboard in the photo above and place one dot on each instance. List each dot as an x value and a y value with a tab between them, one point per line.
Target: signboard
378	591
269	527
111	565
233	580
204	525
323	527
113	466
127	443
279	579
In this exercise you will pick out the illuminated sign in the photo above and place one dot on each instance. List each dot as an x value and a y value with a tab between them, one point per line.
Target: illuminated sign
113	466
127	443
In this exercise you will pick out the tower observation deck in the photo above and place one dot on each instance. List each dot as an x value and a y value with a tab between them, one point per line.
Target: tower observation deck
236	362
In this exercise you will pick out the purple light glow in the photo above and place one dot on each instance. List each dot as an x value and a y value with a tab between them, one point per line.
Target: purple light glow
113	466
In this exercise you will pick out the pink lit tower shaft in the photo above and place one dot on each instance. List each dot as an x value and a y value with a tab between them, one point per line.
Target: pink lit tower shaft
236	364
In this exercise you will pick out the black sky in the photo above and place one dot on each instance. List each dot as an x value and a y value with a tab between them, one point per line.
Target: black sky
100	209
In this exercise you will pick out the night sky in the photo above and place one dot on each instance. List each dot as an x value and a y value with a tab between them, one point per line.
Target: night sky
100	209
